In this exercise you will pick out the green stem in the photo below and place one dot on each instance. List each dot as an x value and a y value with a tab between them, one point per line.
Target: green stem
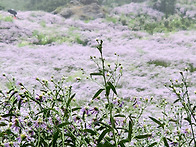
108	99
63	137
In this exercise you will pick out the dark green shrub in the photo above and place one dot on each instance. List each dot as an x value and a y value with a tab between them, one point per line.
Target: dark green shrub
165	6
1	7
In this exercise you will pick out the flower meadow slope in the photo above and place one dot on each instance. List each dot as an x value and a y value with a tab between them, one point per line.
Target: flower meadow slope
102	82
52	116
148	60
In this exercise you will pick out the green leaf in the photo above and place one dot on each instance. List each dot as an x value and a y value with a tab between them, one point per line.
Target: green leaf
103	134
8	115
13	93
124	141
156	121
165	142
55	137
188	119
98	122
173	120
10	91
194	108
112	87
15	101
46	110
119	115
164	113
121	144
130	129
3	124
176	101
96	74
112	121
63	124
42	142
90	131
75	109
70	99
107	90
153	144
143	136
98	93
19	104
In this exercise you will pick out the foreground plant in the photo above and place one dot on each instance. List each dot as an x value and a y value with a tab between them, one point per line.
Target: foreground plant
52	116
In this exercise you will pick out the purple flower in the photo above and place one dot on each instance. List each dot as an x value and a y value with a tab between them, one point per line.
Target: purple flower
16	124
174	143
85	110
11	144
7	145
121	104
40	124
187	131
94	110
77	119
40	98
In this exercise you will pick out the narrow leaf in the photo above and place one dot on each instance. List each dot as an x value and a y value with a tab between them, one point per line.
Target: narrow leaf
119	115
165	142
194	108
3	124
176	101
96	74
75	109
121	144
10	91
124	141
112	121
7	115
63	124
13	93
143	136
70	99
90	131
130	129
112	87
46	110
98	122
55	137
98	93
153	144
19	104
103	134
156	121
107	90
188	119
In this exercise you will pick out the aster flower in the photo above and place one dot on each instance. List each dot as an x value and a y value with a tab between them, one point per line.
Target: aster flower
85	110
94	110
77	119
16	124
174	143
39	123
23	137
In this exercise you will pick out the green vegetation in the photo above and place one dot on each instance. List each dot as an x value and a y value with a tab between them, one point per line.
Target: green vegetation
6	18
14	4
159	63
48	37
165	6
43	24
146	23
54	117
